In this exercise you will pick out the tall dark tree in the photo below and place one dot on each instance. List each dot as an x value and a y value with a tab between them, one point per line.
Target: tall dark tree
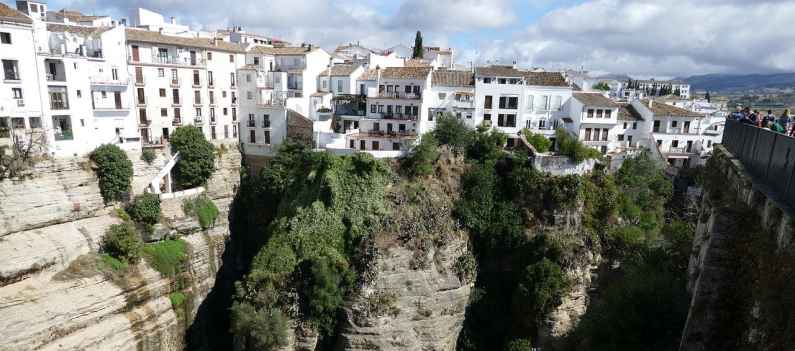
417	46
708	97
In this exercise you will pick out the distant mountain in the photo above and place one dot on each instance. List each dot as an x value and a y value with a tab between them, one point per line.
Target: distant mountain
733	82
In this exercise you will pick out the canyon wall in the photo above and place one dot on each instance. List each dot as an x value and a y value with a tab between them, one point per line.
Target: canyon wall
53	296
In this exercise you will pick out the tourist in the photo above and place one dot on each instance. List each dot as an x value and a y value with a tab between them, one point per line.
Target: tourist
737	115
768	120
784	119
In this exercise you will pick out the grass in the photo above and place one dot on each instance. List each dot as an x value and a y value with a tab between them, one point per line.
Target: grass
203	209
112	263
167	256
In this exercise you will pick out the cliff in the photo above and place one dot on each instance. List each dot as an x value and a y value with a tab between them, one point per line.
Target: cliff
54	294
741	267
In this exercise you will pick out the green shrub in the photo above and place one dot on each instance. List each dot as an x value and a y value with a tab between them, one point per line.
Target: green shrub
145	209
539	142
148	156
519	345
572	147
114	170
423	157
122	242
167	256
486	144
177	299
262	329
203	209
325	294
197	157
452	131
541	287
112	263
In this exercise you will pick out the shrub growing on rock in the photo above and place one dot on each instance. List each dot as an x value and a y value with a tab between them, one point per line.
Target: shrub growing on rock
148	156
452	131
197	157
114	170
145	209
420	162
122	242
539	142
203	209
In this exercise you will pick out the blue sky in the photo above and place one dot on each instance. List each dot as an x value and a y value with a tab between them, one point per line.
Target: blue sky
637	37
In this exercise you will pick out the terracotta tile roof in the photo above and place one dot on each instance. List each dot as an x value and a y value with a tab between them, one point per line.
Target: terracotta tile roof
416	63
405	72
453	79
369	74
628	113
8	14
594	99
80	30
340	70
661	109
498	71
547	79
75	16
144	36
290	50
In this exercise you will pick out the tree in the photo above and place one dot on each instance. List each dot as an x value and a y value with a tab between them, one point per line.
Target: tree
197	157
23	153
420	162
708	97
122	242
452	131
114	170
539	142
417	46
145	209
602	86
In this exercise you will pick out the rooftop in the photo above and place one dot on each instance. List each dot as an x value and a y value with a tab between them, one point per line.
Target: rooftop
144	36
289	50
498	71
549	79
453	79
405	72
594	99
663	109
628	113
8	14
79	30
340	70
76	16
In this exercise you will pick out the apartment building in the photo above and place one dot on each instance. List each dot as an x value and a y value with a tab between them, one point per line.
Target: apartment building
593	118
452	92
677	133
653	87
20	107
184	81
510	99
396	114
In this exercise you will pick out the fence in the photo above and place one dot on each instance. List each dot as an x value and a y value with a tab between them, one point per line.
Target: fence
768	156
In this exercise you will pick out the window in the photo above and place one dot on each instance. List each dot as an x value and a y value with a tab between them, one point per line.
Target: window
674	143
380	109
590	113
197	97
442	96
709	143
35	122
196	78
250	95
375	145
266	121
656	127
604	134
529	103
256	60
212	114
234	130
175	94
79	93
17	93
599	113
487	117
252	136
212	133
210	80
408	89
162	92
63	127
161	72
673	124
174	77
232	79
231	58
10	70
58	98
396	146
634	125
177	115
5	38
587	134
225	111
659	143
487	102
223	94
501	81
234	114
621	137
267	137
361	145
503	102
226	132
596	133
209	56
372	108
625	125
339	86
686	127
324	83
163	112
415	110
486	80
608	113
542	124
198	112
376	126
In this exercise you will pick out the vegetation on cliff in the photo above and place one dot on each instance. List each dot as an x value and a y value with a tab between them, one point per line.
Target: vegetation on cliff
114	170
197	157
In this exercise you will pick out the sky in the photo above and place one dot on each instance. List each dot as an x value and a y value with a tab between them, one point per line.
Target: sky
642	38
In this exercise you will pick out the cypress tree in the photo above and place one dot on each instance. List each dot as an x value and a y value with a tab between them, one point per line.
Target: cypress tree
417	46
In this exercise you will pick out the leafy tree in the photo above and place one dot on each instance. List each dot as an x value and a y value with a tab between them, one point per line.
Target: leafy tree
570	146
602	86
539	142
122	242
487	144
325	293
148	156
540	288
197	157
263	329
420	162
417	46
452	131
114	170
145	208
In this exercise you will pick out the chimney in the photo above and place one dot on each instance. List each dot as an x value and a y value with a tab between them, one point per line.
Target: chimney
173	20
651	103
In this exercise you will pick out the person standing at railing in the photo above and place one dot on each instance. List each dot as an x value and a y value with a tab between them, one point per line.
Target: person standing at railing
784	120
767	120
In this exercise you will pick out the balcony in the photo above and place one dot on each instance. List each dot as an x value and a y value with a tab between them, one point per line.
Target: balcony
175	83
176	122
109	81
64	135
176	103
213	121
141	103
373	133
20	102
59	105
198	119
144	122
398	95
251	124
679	150
139	81
178	61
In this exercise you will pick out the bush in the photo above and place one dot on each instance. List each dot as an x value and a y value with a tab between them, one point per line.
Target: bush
541	287
421	161
486	144
114	171
263	329
570	146
203	209
539	142
519	345
177	299
148	156
122	242
145	209
452	131
197	157
325	294
167	256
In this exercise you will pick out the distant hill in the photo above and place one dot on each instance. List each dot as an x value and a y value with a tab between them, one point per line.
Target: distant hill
732	82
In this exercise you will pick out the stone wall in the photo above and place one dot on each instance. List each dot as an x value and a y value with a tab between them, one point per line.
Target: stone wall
51	226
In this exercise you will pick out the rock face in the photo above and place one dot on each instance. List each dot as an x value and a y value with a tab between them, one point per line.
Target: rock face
405	308
52	297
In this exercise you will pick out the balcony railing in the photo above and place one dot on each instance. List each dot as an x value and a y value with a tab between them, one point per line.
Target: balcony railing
183	61
64	135
398	95
176	122
198	119
398	116
175	83
252	124
59	105
390	134
109	81
144	122
20	102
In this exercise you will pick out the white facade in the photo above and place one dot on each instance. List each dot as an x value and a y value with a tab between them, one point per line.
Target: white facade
677	133
593	118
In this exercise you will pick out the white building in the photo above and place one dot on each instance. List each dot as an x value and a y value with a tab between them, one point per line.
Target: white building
677	133
510	99
452	92
634	89
593	118
184	80
20	99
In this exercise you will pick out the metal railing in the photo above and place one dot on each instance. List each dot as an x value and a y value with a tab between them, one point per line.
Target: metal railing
768	156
